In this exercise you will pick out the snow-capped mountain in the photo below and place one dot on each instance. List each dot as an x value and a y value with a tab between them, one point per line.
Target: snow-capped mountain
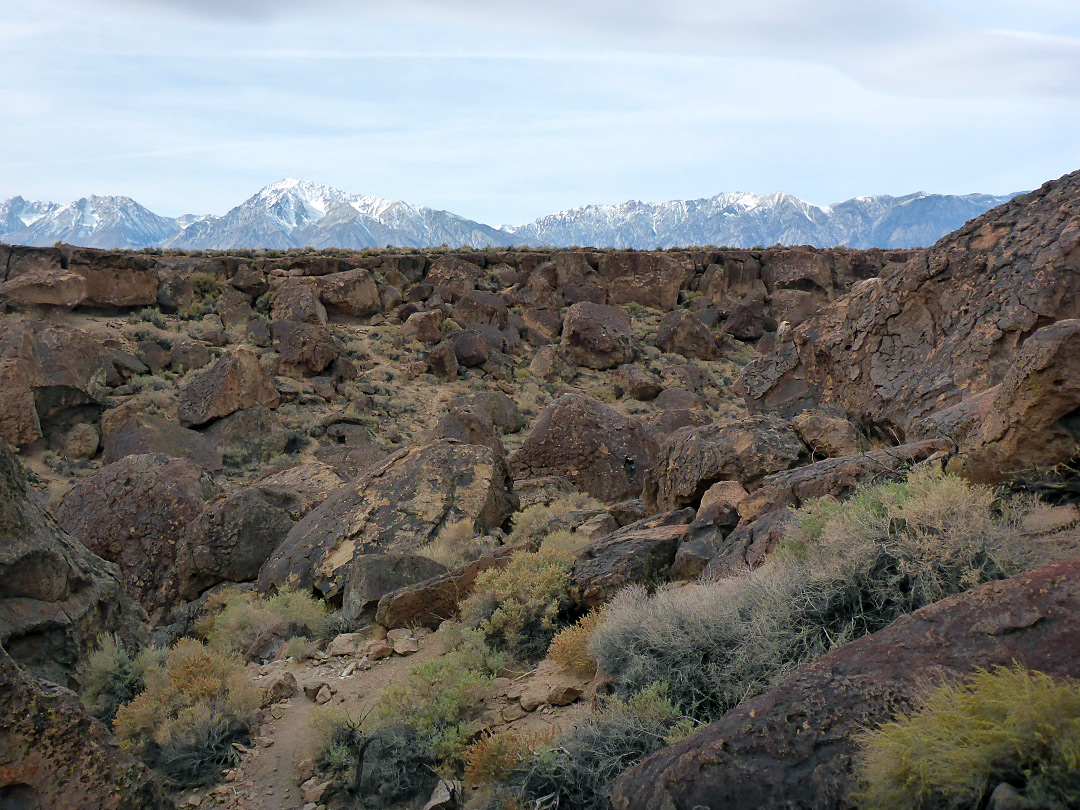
296	213
745	220
104	222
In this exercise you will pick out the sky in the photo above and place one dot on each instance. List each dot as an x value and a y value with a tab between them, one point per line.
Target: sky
505	111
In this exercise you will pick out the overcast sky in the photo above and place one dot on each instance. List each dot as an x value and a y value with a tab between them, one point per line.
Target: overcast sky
505	111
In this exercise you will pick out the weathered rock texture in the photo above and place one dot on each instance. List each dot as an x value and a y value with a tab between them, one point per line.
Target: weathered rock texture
135	513
53	756
599	450
952	323
792	746
397	506
56	597
235	381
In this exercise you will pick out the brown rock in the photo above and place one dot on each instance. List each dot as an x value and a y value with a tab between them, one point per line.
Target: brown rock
451	278
682	333
637	382
545	320
300	488
647	278
352	292
297	300
188	356
57	758
250	436
553	364
797	738
598	336
236	380
44	288
693	459
305	348
471	348
425	327
503	411
442	360
747	320
468	425
80	442
134	513
395	507
142	433
372	576
825	435
598	449
115	279
635	554
478	307
281	686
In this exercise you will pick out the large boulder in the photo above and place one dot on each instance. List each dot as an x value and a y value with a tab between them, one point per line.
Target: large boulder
681	333
229	541
947	325
792	747
115	279
51	287
351	292
56	597
645	277
598	336
143	433
299	488
305	348
415	497
54	756
135	513
236	380
693	459
250	436
601	451
638	553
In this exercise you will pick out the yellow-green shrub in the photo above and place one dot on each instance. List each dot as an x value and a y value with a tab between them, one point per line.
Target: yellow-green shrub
494	757
112	675
197	702
242	621
1008	725
532	524
570	646
519	608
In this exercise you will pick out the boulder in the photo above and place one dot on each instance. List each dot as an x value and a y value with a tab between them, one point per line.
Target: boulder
44	288
601	451
693	459
134	513
250	436
502	410
598	336
305	348
827	435
296	300
188	355
351	292
56	597
236	380
229	541
56	757
635	554
397	506
143	433
81	441
468	425
471	347
644	277
425	327
553	364
442	361
115	279
719	552
638	383
681	333
479	307
797	739
372	576
747	320
299	488
451	278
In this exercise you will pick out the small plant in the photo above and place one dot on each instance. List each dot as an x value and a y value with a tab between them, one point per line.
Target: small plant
153	316
205	285
255	626
563	541
570	646
533	524
299	648
456	545
1008	725
519	608
196	704
113	675
494	757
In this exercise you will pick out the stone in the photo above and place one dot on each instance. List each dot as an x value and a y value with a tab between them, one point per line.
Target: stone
235	381
249	436
798	737
397	506
378	649
425	327
56	596
644	277
446	796
442	360
693	459
56	757
479	307
300	488
115	279
44	288
747	321
188	356
553	364
80	442
348	644
636	554
143	433
281	686
471	348
297	300
466	424
372	576
351	293
134	513
681	333
598	336
229	541
501	408
305	348
638	383
313	686
599	450
825	435
679	399
403	641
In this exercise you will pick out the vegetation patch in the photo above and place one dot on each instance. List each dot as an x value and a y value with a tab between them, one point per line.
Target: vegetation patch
1008	726
533	524
254	626
113	675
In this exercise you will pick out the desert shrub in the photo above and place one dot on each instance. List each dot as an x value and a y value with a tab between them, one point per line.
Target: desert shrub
580	767
456	545
570	646
205	285
534	523
439	698
196	704
845	570
519	608
247	623
152	316
112	675
382	769
1010	725
494	756
563	541
299	648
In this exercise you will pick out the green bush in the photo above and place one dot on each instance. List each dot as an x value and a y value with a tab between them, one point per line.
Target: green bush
252	625
1009	726
196	704
533	524
519	608
845	570
112	676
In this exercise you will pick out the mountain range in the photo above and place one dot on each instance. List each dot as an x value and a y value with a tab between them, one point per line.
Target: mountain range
297	213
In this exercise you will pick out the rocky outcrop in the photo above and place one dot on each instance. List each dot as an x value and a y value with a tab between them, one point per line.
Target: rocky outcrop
409	500
601	451
945	327
650	279
143	433
300	488
54	756
681	333
693	459
598	336
56	597
235	381
639	553
796	740
135	513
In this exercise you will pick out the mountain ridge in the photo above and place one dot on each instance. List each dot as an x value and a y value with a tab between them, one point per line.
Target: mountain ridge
299	213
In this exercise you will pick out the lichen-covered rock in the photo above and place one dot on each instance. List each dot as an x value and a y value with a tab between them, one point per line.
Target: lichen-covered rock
598	336
305	348
54	756
135	513
553	364
400	505
44	288
693	459
650	279
56	597
797	739
300	488
250	436
236	380
827	435
601	451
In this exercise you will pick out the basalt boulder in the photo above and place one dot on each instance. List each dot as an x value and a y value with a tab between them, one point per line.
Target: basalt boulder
143	433
236	380
598	336
413	498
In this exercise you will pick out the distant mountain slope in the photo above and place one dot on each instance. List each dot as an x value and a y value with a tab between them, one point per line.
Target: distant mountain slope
296	213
